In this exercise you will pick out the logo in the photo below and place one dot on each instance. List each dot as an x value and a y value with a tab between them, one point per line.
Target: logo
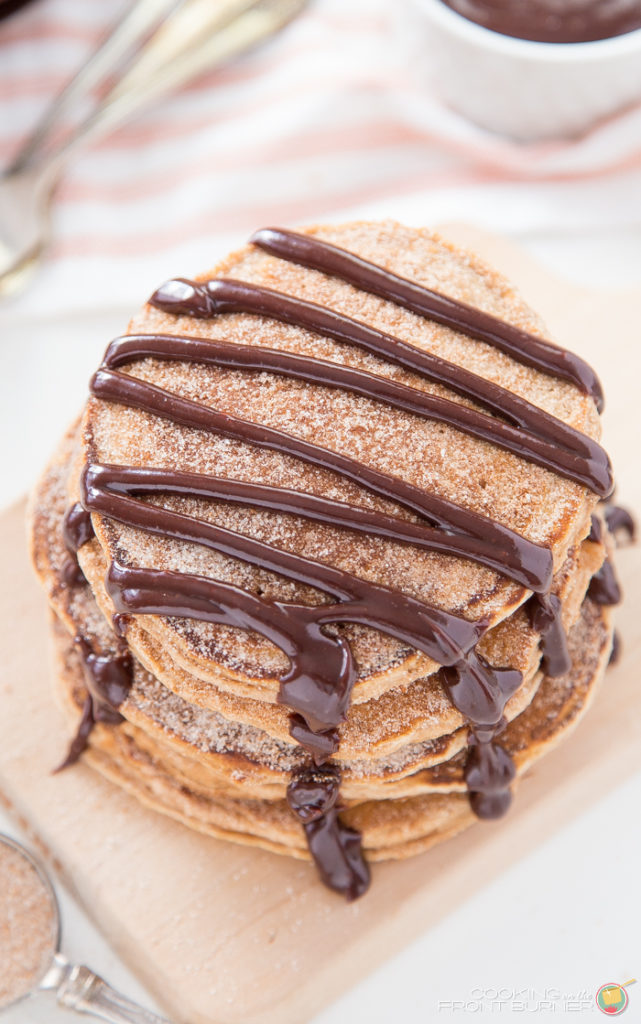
612	998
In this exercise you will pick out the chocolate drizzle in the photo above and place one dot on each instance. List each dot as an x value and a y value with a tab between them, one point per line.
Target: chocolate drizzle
546	618
489	772
76	531
604	587
488	542
596	530
336	848
480	694
525	347
313	792
81	739
338	855
615	653
547	442
317	687
479	691
532	567
108	678
577	455
321	745
618	519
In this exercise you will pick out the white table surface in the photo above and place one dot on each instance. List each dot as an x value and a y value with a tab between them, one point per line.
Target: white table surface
537	942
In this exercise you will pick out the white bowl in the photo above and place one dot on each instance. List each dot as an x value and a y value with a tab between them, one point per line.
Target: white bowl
517	87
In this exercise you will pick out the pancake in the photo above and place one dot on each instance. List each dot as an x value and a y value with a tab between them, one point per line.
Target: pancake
417	723
537	503
392	827
324	553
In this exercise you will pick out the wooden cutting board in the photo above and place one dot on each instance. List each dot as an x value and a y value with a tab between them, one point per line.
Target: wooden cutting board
223	934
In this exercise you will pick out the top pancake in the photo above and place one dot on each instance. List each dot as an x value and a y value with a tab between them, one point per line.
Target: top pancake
534	502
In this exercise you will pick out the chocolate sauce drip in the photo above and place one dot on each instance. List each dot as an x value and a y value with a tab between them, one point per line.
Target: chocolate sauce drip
76	531
490	806
489	772
615	653
480	691
596	530
80	741
441	635
296	629
619	518
228	296
313	792
70	572
604	587
319	682
447	637
553	21
493	544
120	621
336	849
593	471
317	688
76	527
527	348
546	618
108	678
338	854
321	745
324	689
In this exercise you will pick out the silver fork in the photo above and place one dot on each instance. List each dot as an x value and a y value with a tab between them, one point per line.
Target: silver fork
155	48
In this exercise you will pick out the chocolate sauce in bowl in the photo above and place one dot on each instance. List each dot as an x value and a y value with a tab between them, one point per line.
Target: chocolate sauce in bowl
553	21
318	684
8	7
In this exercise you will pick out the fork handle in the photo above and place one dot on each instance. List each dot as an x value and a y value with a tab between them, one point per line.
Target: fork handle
86	992
141	19
171	63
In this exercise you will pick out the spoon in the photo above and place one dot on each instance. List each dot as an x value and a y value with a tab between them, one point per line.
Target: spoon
29	947
157	47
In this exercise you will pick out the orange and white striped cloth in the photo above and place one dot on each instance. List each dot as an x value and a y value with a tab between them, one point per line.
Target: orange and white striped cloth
326	120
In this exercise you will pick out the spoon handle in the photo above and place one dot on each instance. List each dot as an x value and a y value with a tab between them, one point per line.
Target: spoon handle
196	38
86	992
119	45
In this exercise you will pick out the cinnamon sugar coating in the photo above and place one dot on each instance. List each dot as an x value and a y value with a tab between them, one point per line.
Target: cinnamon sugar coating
393	827
243	744
203	736
532	501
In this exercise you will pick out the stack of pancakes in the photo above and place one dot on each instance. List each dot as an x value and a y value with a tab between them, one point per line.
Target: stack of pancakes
200	733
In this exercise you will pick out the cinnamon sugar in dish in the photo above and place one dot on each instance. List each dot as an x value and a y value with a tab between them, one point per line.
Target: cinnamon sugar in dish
28	925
